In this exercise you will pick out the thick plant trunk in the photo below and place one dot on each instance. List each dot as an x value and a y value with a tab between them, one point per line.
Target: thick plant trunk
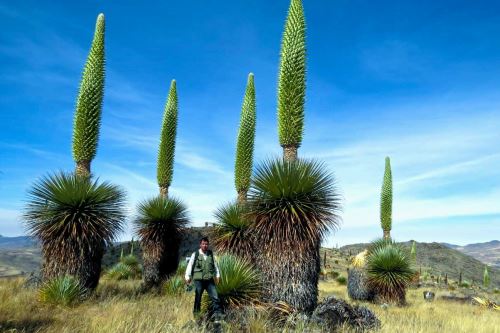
242	196
387	234
83	264
290	276
290	153
159	262
357	285
164	191
151	272
83	168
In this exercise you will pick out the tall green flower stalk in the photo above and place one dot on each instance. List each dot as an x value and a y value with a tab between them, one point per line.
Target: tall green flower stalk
166	150
292	81
413	253
386	201
245	145
486	277
89	104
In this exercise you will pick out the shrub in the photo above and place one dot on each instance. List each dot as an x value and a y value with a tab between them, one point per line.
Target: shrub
120	271
341	280
465	284
63	290
181	269
174	285
335	274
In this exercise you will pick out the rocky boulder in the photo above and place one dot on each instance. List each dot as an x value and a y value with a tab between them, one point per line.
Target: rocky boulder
332	313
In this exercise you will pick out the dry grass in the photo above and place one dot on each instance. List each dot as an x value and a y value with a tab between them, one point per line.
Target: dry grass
116	307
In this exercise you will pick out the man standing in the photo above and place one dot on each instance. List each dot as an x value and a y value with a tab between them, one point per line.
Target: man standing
203	270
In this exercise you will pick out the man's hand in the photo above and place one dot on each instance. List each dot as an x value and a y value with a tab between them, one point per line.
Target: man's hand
188	281
217	280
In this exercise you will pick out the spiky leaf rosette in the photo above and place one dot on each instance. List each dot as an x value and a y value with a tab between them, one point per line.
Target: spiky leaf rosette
239	284
380	243
386	200
159	224
293	204
62	290
120	271
389	271
89	103
166	151
74	217
231	232
245	144
292	78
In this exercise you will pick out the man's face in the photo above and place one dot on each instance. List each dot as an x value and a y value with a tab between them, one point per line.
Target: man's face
204	246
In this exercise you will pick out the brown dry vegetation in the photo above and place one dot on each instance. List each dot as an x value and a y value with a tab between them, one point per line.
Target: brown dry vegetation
115	307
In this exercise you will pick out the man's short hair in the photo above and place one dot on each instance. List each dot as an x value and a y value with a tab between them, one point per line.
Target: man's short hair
204	238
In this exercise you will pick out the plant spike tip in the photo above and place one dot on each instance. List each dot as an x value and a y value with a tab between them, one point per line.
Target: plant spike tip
166	151
87	119
245	143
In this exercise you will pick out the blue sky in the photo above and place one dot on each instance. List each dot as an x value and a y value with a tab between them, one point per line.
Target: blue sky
417	81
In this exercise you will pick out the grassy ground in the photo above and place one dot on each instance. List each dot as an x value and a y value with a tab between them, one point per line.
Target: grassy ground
115	307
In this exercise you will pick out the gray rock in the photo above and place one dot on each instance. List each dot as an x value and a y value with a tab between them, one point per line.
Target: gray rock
332	313
429	295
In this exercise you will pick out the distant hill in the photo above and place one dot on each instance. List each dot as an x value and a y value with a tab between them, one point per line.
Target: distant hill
16	242
20	255
440	259
488	252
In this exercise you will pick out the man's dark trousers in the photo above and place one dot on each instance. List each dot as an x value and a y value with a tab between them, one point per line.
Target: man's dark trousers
209	286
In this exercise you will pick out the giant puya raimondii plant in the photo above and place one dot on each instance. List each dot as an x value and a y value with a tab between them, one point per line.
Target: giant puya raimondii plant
245	144
386	201
89	104
292	81
73	216
162	219
166	151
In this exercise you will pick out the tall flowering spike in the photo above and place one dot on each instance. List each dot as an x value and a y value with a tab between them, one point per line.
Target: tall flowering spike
486	277
245	145
413	252
166	151
292	81
89	103
386	200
